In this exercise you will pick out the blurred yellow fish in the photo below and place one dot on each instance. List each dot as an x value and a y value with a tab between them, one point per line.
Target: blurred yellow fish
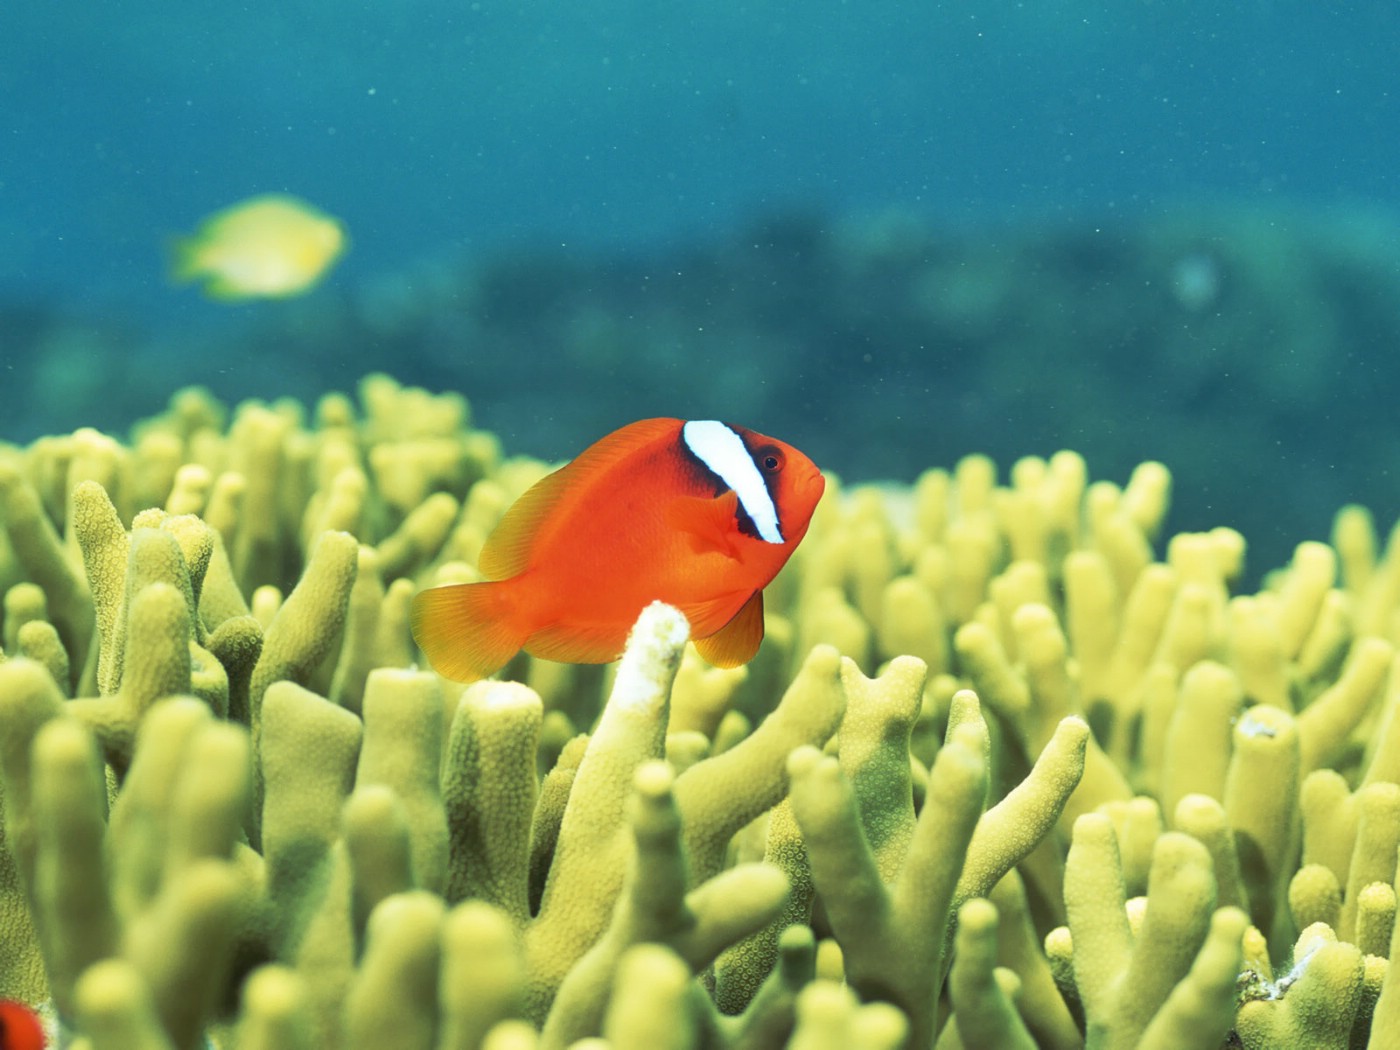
269	247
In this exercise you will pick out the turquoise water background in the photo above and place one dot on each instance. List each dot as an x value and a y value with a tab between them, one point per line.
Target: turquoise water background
436	128
968	211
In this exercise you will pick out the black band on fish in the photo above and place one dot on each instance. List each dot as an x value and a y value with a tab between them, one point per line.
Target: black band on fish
723	451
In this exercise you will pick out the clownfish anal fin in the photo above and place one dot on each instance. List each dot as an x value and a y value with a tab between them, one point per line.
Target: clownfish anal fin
576	644
465	629
711	524
736	642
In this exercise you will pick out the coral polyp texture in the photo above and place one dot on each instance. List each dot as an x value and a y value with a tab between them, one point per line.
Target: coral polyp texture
1011	769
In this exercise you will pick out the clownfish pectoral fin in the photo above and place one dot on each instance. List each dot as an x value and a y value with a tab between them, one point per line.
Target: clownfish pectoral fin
736	642
711	524
466	630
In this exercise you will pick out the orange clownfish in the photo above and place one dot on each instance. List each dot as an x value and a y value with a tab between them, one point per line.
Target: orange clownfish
20	1027
700	515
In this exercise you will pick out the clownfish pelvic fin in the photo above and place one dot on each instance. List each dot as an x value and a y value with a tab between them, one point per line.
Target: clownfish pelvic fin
736	642
467	630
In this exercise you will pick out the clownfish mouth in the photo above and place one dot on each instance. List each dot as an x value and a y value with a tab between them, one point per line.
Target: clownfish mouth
809	487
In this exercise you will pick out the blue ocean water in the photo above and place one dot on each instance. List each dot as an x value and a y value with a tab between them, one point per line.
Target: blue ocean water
436	127
444	133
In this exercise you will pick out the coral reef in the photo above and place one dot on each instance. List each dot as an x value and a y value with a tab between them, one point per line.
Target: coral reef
1000	776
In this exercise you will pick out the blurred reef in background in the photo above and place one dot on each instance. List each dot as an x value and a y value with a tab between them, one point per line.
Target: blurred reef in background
1250	350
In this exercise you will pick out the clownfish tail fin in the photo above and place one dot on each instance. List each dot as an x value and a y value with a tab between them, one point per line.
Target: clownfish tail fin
467	630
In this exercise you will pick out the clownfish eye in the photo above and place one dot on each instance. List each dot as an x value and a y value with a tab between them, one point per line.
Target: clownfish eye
770	460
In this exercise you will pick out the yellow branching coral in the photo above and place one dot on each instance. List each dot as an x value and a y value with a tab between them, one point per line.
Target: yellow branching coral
882	932
157	885
980	993
1011	769
1124	979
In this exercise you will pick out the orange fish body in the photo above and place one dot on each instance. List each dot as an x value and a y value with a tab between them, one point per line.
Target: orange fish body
20	1027
698	514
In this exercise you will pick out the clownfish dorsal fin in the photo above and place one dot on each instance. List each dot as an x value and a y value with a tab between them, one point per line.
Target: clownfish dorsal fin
508	550
736	642
710	523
